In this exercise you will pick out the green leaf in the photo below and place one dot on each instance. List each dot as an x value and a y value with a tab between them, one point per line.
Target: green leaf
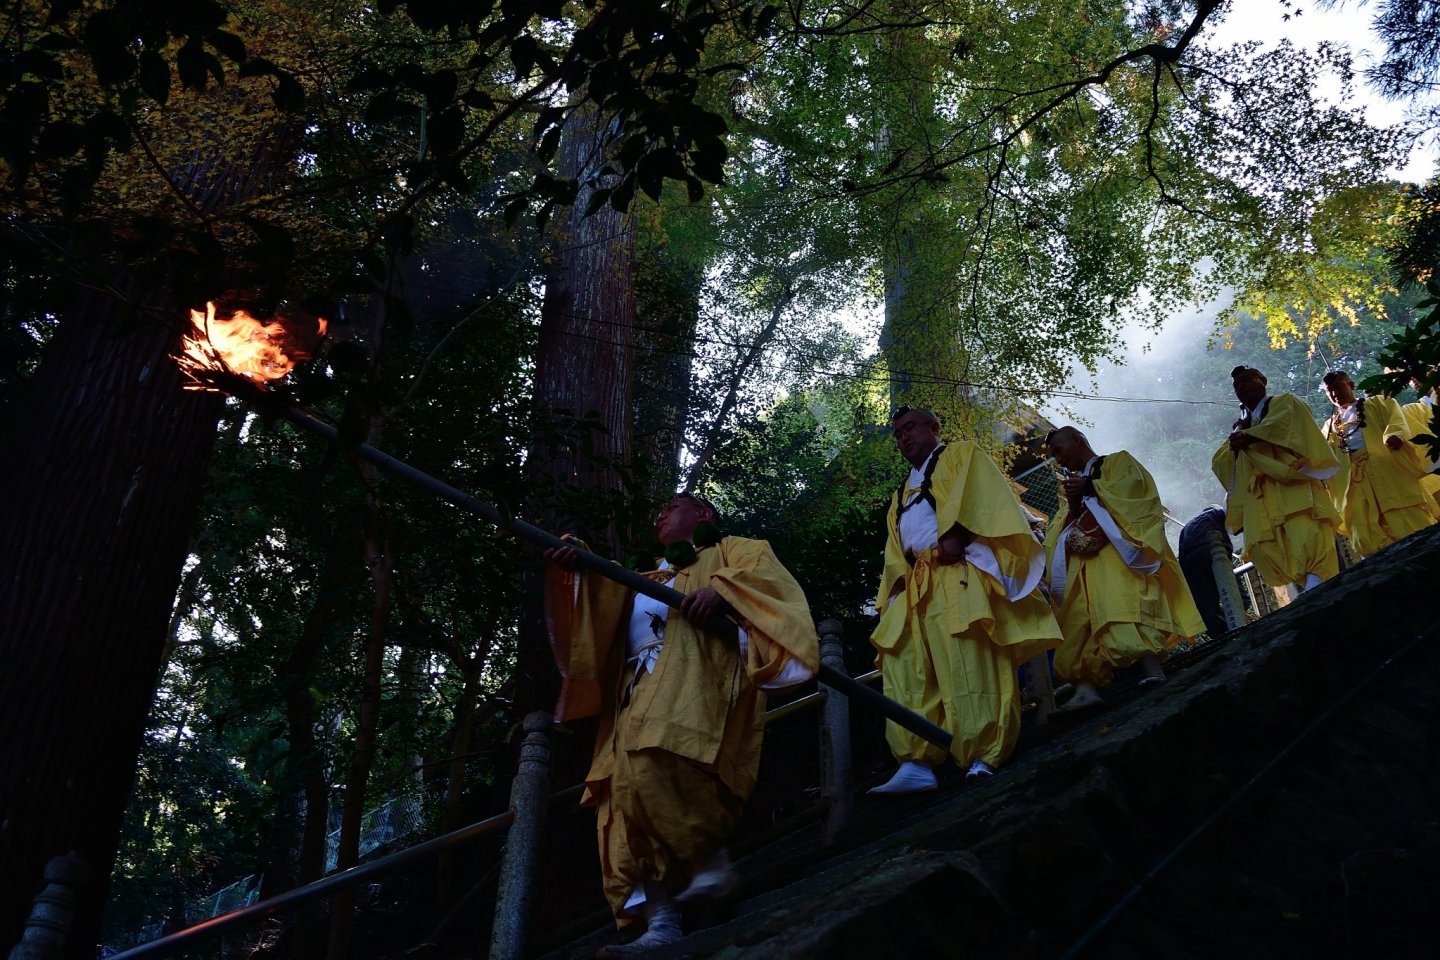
289	96
109	46
597	200
57	41
196	66
38	64
445	130
514	208
228	44
545	151
477	99
382	107
59	139
154	76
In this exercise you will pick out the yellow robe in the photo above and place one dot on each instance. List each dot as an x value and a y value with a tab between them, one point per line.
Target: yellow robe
1377	492
1287	515
1418	416
675	761
948	645
1113	614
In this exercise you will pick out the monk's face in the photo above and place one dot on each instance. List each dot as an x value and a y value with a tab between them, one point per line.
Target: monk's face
677	520
916	435
1069	450
1341	391
1249	388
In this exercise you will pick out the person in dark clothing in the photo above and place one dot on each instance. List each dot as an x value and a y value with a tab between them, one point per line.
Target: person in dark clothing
1195	563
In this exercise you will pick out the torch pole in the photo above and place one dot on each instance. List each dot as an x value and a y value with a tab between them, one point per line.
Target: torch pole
591	561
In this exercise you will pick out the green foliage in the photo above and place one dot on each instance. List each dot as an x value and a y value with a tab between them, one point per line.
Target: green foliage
814	477
1412	358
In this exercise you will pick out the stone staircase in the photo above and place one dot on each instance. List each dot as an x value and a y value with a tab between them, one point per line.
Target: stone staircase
1276	798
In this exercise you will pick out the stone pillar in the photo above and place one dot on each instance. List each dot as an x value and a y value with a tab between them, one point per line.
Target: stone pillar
53	910
1038	687
529	801
1222	568
835	777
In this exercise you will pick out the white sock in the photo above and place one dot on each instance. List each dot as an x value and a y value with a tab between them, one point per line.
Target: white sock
1312	580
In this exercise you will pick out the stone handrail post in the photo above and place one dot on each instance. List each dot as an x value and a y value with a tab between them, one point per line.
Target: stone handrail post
53	911
835	776
529	801
1038	686
1222	568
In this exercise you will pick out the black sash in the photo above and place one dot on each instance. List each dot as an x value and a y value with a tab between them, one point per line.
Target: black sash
926	493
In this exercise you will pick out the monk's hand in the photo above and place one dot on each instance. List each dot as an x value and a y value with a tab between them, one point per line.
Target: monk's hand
1394	441
1239	440
952	546
898	588
703	605
566	557
1073	487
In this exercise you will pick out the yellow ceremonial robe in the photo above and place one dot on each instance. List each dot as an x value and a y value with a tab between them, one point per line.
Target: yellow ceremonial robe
948	645
1277	494
1377	492
1112	614
676	758
1418	416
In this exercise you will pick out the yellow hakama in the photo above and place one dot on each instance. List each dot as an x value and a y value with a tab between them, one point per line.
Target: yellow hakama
948	646
1378	492
1277	494
1114	609
677	749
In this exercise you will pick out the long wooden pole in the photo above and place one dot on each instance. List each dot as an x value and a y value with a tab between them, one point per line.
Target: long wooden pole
827	675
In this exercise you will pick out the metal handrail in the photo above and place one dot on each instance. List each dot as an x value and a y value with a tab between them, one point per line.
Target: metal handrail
360	873
331	884
811	700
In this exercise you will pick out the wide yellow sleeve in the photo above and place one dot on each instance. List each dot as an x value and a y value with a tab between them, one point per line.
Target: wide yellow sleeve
1387	414
583	613
1128	493
895	563
971	491
1292	442
771	607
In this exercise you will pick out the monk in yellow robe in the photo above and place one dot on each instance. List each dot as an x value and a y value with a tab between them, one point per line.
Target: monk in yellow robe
1377	492
1274	466
681	706
1120	594
959	608
1418	417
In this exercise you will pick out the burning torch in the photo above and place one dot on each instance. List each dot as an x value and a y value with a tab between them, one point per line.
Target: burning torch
238	355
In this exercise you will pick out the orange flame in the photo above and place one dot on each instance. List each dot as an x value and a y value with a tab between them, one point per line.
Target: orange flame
239	344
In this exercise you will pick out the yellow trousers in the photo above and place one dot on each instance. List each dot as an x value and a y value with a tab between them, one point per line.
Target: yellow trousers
1302	545
964	682
1102	634
659	817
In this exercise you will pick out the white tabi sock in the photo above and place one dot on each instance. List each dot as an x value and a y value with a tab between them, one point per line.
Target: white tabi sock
912	777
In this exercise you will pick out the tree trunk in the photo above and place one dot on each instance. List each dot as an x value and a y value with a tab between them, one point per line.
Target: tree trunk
106	456
583	372
668	311
105	460
577	466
